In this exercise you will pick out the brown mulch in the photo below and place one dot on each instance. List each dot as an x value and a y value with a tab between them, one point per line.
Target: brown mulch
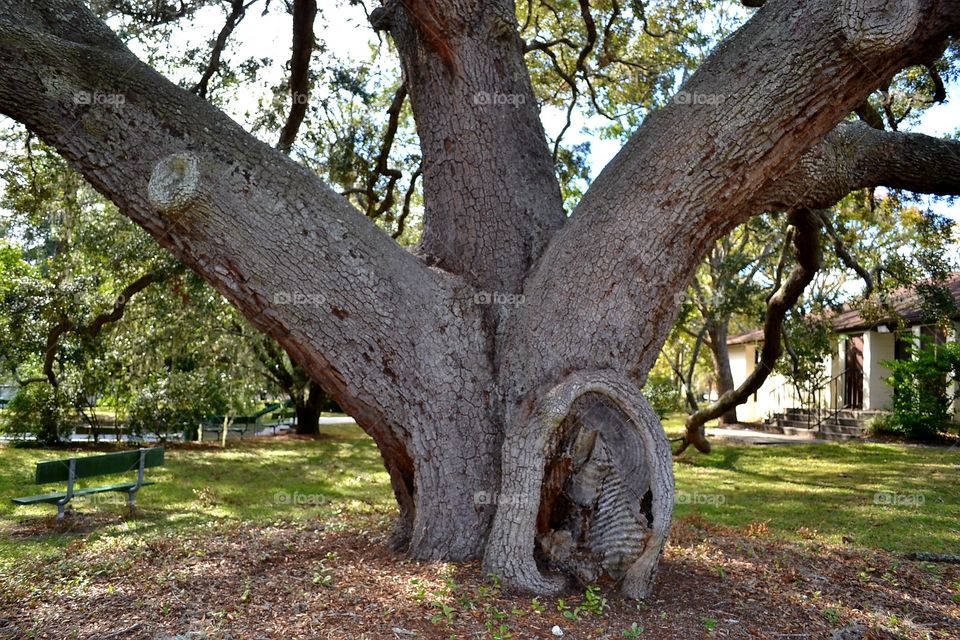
293	581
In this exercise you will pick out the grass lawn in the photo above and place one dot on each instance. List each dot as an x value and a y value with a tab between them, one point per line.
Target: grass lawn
860	497
260	481
894	497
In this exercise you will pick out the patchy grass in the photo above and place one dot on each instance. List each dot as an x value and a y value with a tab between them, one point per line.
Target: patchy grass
294	530
262	480
887	496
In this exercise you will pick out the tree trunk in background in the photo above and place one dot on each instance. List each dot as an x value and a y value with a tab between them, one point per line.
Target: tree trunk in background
512	426
721	366
308	407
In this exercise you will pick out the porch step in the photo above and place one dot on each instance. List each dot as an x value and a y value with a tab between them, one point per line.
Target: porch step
847	424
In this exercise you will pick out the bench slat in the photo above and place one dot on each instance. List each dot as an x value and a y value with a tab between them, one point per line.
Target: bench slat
54	497
106	464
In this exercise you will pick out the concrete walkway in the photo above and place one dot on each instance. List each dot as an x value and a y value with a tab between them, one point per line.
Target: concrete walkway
750	436
209	434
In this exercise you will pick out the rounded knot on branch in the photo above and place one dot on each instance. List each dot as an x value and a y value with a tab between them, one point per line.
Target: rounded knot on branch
382	17
174	183
878	26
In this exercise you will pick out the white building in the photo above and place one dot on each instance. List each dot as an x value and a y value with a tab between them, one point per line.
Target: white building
852	375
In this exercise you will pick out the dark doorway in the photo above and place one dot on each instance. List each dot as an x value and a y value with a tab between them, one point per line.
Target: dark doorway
853	378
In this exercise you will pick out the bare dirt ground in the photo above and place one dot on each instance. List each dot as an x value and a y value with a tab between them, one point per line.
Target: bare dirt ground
292	581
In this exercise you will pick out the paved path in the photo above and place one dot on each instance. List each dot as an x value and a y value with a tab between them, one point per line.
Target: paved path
210	434
749	436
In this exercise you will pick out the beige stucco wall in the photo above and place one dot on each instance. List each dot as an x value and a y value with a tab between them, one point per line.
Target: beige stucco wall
877	348
775	394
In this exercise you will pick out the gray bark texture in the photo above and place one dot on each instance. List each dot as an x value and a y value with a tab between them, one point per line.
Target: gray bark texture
721	365
516	433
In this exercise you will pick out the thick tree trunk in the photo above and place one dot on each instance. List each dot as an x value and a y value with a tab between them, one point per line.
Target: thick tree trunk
721	367
512	426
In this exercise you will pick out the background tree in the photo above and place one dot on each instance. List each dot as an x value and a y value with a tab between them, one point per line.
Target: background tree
93	309
870	234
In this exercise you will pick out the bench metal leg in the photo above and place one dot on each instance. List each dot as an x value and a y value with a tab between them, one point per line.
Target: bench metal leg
71	477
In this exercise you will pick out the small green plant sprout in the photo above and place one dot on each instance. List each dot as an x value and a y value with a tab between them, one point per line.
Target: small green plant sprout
420	592
323	575
446	613
709	623
245	596
536	606
566	611
831	615
323	579
633	632
594	602
502	632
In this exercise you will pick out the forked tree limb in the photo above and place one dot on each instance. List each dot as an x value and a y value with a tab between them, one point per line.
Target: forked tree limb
238	9
93	328
806	242
844	255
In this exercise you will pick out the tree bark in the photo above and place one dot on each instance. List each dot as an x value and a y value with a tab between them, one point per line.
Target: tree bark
506	358
308	407
721	366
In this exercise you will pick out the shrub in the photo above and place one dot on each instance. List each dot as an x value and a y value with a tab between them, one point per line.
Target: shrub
662	394
921	401
884	425
173	403
41	411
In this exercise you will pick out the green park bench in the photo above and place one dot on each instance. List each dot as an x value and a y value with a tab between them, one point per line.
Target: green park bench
245	424
73	469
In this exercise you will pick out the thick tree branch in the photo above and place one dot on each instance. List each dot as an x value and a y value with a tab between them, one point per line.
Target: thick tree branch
806	241
488	178
856	156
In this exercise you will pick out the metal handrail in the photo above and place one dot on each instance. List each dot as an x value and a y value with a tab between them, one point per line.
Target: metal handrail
834	397
823	414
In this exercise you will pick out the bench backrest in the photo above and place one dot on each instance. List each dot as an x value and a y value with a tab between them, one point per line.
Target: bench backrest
102	465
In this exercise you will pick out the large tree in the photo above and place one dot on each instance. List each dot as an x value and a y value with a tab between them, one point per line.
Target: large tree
499	366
